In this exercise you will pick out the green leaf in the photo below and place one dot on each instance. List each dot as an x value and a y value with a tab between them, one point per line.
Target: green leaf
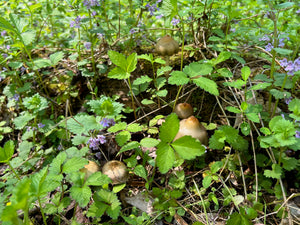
237	219
165	157
169	8
22	120
97	179
97	209
134	127
280	94
41	63
146	57
28	37
245	73
188	148
224	72
149	142
140	171
216	166
169	128
36	103
283	51
4	24
56	57
233	109
74	164
275	172
118	73
260	86
131	62
142	80
7	151
147	102
245	128
129	146
294	107
217	140
81	195
162	93
221	57
206	181
117	127
253	117
236	84
110	199
82	124
118	59
207	84
123	137
178	78
196	69
55	166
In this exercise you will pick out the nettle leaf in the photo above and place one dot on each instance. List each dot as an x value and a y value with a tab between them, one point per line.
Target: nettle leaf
56	57
129	146
207	84
188	147
245	73
82	124
178	78
140	171
289	163
55	166
123	137
142	80
118	59
81	195
149	142
162	70
280	94
294	106
236	84
97	209
105	106
74	164
253	117
196	69
41	63
146	57
134	127
131	62
169	8
118	73
224	72
260	86
111	200
280	125
7	151
238	219
169	128
165	157
4	24
217	140
283	51
221	57
28	37
36	103
275	172
233	109
162	93
22	120
97	179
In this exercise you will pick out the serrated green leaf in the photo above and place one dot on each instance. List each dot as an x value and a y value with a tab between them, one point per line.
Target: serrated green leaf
22	120
142	80
216	166
97	209
97	179
245	128
147	102
260	86
146	57
4	24
188	148
253	117
118	73
41	63
140	171
131	62
56	57
162	93
123	137
82	124
178	78
149	142
237	219
207	84
28	37
81	195
275	172
236	84
79	139
169	128
196	69
165	157
129	146
283	51
118	59
289	163
55	166
233	109
162	70
110	199
280	94
224	72
169	8
217	140
7	151
245	73
134	127
265	130
221	57
294	107
206	181
74	164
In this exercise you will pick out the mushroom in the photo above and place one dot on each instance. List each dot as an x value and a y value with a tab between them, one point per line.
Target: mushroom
167	46
116	171
192	127
89	169
183	110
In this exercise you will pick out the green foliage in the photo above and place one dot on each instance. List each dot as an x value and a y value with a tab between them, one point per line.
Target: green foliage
7	151
124	66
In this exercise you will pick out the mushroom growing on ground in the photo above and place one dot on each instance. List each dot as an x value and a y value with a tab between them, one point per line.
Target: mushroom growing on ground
116	171
167	46
89	169
183	110
192	127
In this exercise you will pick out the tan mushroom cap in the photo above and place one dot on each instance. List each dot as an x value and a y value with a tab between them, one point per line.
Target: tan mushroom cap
183	110
192	127
166	46
116	171
90	168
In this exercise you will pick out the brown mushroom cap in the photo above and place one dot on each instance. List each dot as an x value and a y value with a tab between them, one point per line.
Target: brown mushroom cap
89	169
192	127
116	171
167	46
183	110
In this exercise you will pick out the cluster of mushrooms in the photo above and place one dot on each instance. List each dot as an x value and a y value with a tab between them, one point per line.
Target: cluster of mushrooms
190	125
115	170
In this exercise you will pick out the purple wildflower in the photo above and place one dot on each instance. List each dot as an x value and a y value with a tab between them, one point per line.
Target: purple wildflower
76	22
159	16
132	31
16	97
94	13
95	142
40	125
264	38
175	21
100	35
7	47
297	134
87	45
90	3
269	47
59	147
283	62
3	33
5	55
297	64
281	42
288	100
107	122
298	11
152	9
28	128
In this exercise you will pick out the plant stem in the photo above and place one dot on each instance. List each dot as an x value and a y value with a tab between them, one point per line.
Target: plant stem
132	99
13	170
92	47
42	210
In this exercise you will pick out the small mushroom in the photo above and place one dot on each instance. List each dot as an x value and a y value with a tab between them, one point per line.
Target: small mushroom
167	46
116	171
89	169
183	110
192	127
